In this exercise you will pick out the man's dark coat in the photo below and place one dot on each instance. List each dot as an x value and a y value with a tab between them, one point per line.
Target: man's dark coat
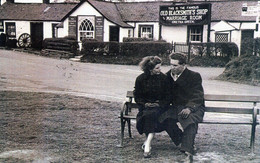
185	92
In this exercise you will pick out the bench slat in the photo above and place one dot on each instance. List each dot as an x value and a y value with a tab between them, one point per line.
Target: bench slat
210	97
217	109
231	98
230	110
208	121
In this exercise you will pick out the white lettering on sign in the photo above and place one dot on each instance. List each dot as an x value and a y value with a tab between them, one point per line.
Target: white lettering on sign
188	14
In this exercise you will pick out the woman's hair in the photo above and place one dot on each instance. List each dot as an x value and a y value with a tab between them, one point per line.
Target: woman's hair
181	57
148	63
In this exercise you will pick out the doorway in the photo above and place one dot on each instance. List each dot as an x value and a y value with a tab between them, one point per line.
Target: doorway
37	35
114	33
247	39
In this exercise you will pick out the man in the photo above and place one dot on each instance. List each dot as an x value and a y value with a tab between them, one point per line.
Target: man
187	97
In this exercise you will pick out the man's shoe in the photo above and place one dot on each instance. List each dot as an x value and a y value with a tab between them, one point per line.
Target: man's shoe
188	158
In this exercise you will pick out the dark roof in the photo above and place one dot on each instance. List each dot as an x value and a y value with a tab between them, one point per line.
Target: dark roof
149	11
118	13
140	11
109	10
35	11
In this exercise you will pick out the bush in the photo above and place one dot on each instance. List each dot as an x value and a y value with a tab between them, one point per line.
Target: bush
2	39
123	53
63	44
145	48
90	47
244	69
134	39
11	43
222	49
257	46
208	61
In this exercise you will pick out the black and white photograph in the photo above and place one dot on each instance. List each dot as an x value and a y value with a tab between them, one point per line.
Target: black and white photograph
118	81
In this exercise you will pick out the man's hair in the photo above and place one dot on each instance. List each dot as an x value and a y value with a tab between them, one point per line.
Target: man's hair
181	57
148	63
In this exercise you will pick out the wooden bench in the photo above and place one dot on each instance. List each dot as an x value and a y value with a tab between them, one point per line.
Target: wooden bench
130	109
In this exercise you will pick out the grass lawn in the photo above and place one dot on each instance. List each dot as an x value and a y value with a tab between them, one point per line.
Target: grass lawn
63	128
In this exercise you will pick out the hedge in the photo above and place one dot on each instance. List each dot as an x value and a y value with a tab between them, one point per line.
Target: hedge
123	53
63	44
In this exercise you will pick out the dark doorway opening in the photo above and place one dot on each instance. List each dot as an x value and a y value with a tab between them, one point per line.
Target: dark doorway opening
37	35
114	33
247	40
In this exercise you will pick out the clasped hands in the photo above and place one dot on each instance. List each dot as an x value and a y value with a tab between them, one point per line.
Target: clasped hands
185	113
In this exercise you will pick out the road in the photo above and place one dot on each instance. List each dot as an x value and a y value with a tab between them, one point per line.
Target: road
28	72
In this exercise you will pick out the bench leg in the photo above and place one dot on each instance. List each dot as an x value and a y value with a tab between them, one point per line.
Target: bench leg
129	127
122	132
252	140
254	117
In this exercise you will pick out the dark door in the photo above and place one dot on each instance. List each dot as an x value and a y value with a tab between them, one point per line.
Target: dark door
37	35
114	33
247	42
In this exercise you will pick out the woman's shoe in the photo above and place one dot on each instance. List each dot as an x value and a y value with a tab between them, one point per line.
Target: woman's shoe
143	146
147	154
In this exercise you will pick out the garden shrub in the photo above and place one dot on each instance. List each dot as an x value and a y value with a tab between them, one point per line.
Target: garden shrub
145	48
69	44
223	49
123	53
92	47
244	69
135	39
209	61
11	43
257	46
2	39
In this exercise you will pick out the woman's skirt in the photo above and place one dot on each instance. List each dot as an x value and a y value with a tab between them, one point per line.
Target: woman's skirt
147	120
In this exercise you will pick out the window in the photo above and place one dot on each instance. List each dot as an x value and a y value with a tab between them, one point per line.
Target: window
54	30
10	30
221	37
146	31
86	29
195	33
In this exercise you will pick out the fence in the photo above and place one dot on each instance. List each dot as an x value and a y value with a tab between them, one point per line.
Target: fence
227	49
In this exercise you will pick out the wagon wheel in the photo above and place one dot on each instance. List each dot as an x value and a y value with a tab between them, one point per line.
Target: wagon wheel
24	40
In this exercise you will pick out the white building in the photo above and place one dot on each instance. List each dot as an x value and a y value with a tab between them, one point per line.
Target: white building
110	21
39	20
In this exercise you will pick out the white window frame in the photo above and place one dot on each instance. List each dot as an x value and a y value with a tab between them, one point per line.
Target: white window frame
143	33
86	27
195	33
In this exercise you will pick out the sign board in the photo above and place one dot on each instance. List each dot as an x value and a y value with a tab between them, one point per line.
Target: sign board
73	26
99	28
185	14
250	10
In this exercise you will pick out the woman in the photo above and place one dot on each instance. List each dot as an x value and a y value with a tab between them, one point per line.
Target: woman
150	94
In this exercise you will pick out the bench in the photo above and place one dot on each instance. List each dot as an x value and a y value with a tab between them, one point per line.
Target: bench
130	109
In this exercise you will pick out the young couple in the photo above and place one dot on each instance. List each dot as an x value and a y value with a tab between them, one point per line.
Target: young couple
155	92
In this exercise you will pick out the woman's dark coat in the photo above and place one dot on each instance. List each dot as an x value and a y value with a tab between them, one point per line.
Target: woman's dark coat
186	92
150	89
